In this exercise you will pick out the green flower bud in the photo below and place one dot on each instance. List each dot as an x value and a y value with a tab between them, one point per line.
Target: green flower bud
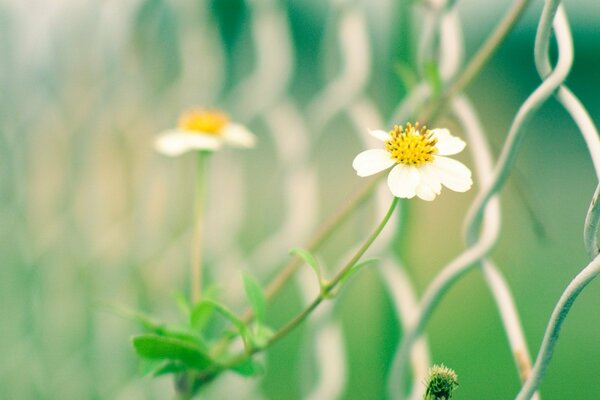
442	381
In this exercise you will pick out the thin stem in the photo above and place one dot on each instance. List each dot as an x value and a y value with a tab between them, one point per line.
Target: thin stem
319	239
323	233
482	56
324	294
553	329
196	258
490	46
184	386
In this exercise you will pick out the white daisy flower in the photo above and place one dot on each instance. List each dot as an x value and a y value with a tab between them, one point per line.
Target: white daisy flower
203	130
417	154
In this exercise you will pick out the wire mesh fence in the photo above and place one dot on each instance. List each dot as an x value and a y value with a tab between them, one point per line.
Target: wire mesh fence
91	215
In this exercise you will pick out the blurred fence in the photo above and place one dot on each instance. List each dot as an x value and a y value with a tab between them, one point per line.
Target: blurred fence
90	214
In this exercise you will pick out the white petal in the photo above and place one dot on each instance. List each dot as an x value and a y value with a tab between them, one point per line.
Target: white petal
430	178
403	181
453	174
379	134
372	161
176	142
425	192
447	144
238	135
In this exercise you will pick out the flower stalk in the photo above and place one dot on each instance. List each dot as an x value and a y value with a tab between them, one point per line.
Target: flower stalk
323	295
199	198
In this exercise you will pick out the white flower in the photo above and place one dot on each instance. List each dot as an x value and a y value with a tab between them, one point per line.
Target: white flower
417	154
203	130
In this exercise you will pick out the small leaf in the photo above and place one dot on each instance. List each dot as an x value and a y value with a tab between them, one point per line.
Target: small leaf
147	366
432	74
144	320
168	348
201	314
256	296
182	303
169	368
184	334
249	367
311	260
205	305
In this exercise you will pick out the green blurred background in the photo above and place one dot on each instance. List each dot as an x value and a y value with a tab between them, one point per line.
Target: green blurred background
91	215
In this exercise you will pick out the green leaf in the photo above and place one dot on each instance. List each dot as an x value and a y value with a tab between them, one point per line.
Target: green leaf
312	262
169	368
182	303
432	74
249	367
160	367
146	321
205	305
201	314
256	296
157	347
147	366
183	333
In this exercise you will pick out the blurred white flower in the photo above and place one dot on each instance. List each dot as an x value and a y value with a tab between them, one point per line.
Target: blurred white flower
420	168
203	130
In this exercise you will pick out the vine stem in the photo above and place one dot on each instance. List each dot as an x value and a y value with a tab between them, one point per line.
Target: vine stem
485	52
286	273
323	295
318	240
196	256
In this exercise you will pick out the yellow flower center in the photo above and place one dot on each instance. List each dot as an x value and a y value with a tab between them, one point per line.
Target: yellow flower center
411	145
203	121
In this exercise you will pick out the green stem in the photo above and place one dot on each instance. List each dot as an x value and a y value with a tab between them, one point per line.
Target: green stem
480	59
324	293
320	238
286	273
184	387
196	257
